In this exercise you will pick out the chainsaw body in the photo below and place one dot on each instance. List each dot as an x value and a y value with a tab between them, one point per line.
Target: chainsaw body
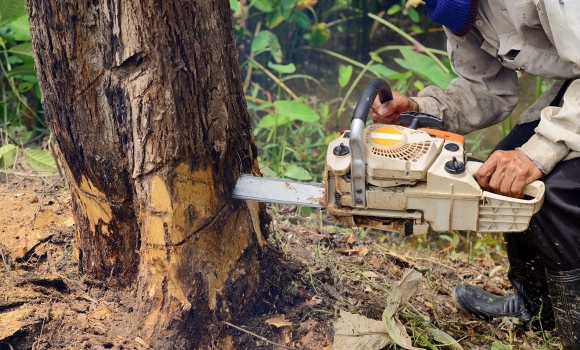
404	179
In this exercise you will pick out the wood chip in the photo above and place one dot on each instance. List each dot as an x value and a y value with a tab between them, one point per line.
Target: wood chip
141	342
102	312
13	321
279	322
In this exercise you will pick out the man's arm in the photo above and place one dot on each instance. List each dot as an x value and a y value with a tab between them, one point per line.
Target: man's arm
483	94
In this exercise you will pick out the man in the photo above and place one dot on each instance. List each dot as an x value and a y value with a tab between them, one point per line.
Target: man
488	41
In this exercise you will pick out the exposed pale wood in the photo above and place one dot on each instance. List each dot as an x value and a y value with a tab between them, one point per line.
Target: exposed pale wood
145	101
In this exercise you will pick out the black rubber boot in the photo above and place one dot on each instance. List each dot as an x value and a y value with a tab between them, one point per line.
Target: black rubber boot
565	295
527	275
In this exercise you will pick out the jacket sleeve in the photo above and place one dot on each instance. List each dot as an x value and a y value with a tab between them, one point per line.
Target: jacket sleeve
559	128
483	94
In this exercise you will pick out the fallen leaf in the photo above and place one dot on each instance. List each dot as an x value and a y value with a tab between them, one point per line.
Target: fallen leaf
428	304
495	270
364	251
351	239
353	331
399	296
279	322
444	338
370	274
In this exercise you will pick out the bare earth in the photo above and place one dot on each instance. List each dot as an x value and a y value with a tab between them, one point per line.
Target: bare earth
46	304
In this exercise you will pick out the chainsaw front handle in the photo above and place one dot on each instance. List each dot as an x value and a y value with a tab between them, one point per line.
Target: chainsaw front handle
376	87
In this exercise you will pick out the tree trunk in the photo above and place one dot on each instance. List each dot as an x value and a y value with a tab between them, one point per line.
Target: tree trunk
144	99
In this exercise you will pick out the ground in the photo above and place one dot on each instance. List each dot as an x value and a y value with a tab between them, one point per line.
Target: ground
46	304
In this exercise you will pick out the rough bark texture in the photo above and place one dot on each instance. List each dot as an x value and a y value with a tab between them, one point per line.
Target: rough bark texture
144	99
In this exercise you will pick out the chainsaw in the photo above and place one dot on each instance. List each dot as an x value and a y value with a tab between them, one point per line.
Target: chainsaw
400	179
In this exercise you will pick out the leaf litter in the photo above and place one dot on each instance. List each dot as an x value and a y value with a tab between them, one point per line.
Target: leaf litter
386	290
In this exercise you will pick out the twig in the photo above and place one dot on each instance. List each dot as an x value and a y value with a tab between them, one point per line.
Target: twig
273	77
436	262
15	187
258	336
6	265
54	156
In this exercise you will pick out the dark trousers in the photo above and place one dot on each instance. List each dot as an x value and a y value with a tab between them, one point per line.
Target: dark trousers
554	232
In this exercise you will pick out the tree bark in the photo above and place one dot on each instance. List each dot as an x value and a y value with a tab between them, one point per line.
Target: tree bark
145	101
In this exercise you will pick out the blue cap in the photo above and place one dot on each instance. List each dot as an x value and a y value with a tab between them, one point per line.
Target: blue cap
457	15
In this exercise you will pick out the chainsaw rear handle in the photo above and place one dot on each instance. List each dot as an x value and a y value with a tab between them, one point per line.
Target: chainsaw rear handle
376	87
535	190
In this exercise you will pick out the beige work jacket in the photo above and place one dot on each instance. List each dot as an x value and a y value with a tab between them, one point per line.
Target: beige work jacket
536	36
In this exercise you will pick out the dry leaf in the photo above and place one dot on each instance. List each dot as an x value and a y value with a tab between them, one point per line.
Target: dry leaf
413	3
279	322
353	331
358	332
351	239
399	296
370	274
364	251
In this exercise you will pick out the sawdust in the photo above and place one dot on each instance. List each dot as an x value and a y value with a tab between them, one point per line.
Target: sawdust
46	304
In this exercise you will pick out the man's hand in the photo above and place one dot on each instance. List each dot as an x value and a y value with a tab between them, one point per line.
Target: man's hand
388	113
507	173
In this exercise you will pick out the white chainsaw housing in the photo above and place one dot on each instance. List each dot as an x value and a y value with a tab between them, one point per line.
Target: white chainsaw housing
408	188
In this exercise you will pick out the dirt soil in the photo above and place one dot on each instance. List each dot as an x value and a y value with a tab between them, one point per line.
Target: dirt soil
46	304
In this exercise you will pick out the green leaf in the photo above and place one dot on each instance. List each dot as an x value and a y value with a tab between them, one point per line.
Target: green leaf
10	10
324	110
24	86
375	57
270	121
20	28
301	19
287	3
235	5
393	9
444	338
319	34
296	111
264	5
22	50
296	172
268	172
382	71
7	154
425	67
274	18
27	69
419	85
344	75
262	40
276	49
266	39
283	68
40	160
413	15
